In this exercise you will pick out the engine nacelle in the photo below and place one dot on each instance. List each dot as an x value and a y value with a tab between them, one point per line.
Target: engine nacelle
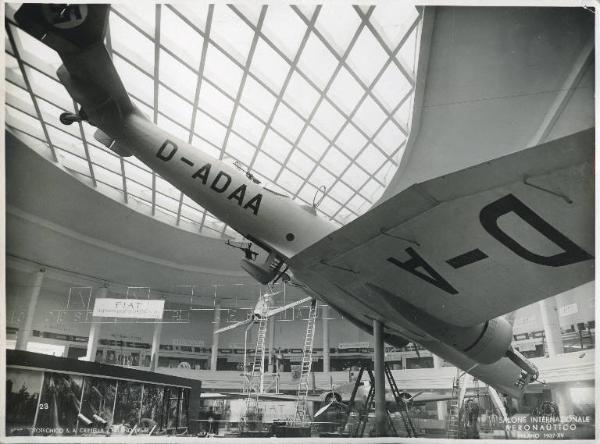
484	343
492	343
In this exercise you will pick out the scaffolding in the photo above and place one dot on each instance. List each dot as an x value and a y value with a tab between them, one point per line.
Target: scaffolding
254	381
368	407
305	367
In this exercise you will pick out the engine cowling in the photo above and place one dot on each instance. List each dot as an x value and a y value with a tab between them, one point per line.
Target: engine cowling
484	343
492	343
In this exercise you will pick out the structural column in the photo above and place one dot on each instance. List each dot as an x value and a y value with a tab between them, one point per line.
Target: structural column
215	343
325	320
95	328
551	324
380	413
25	329
441	405
155	346
562	397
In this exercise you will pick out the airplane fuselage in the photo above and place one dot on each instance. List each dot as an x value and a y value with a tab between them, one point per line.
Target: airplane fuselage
269	218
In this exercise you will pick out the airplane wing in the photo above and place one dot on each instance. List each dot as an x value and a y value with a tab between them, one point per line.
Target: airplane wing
469	246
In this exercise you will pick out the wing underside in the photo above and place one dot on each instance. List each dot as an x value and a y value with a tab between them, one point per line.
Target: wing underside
469	246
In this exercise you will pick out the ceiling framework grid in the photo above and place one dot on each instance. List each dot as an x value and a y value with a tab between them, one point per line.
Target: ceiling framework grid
344	133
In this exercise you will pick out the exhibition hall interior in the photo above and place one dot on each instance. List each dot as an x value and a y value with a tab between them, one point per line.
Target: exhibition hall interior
321	221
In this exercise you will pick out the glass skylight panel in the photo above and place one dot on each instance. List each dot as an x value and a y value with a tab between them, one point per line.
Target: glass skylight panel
192	205
51	113
389	138
177	75
392	19
129	42
73	162
143	14
317	62
266	166
345	216
65	141
301	95
338	25
290	181
195	12
257	98
387	172
367	57
232	233
345	91
300	163
355	177
33	51
358	204
308	192
391	87
408	51
340	192
287	122
351	141
20	97
101	157
328	119
240	149
248	125
174	106
12	70
231	33
168	203
329	206
103	174
206	147
313	144
173	128
249	10
284	28
134	80
138	175
371	159
50	89
403	114
213	223
24	122
269	66
180	37
147	110
29	140
335	161
140	191
370	116
210	128
10	10
222	71
213	102
275	145
321	177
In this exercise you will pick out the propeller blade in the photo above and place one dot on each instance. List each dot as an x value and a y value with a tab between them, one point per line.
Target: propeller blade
232	326
323	409
285	307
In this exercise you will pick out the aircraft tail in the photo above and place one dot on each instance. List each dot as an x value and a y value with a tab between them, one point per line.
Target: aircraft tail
76	32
